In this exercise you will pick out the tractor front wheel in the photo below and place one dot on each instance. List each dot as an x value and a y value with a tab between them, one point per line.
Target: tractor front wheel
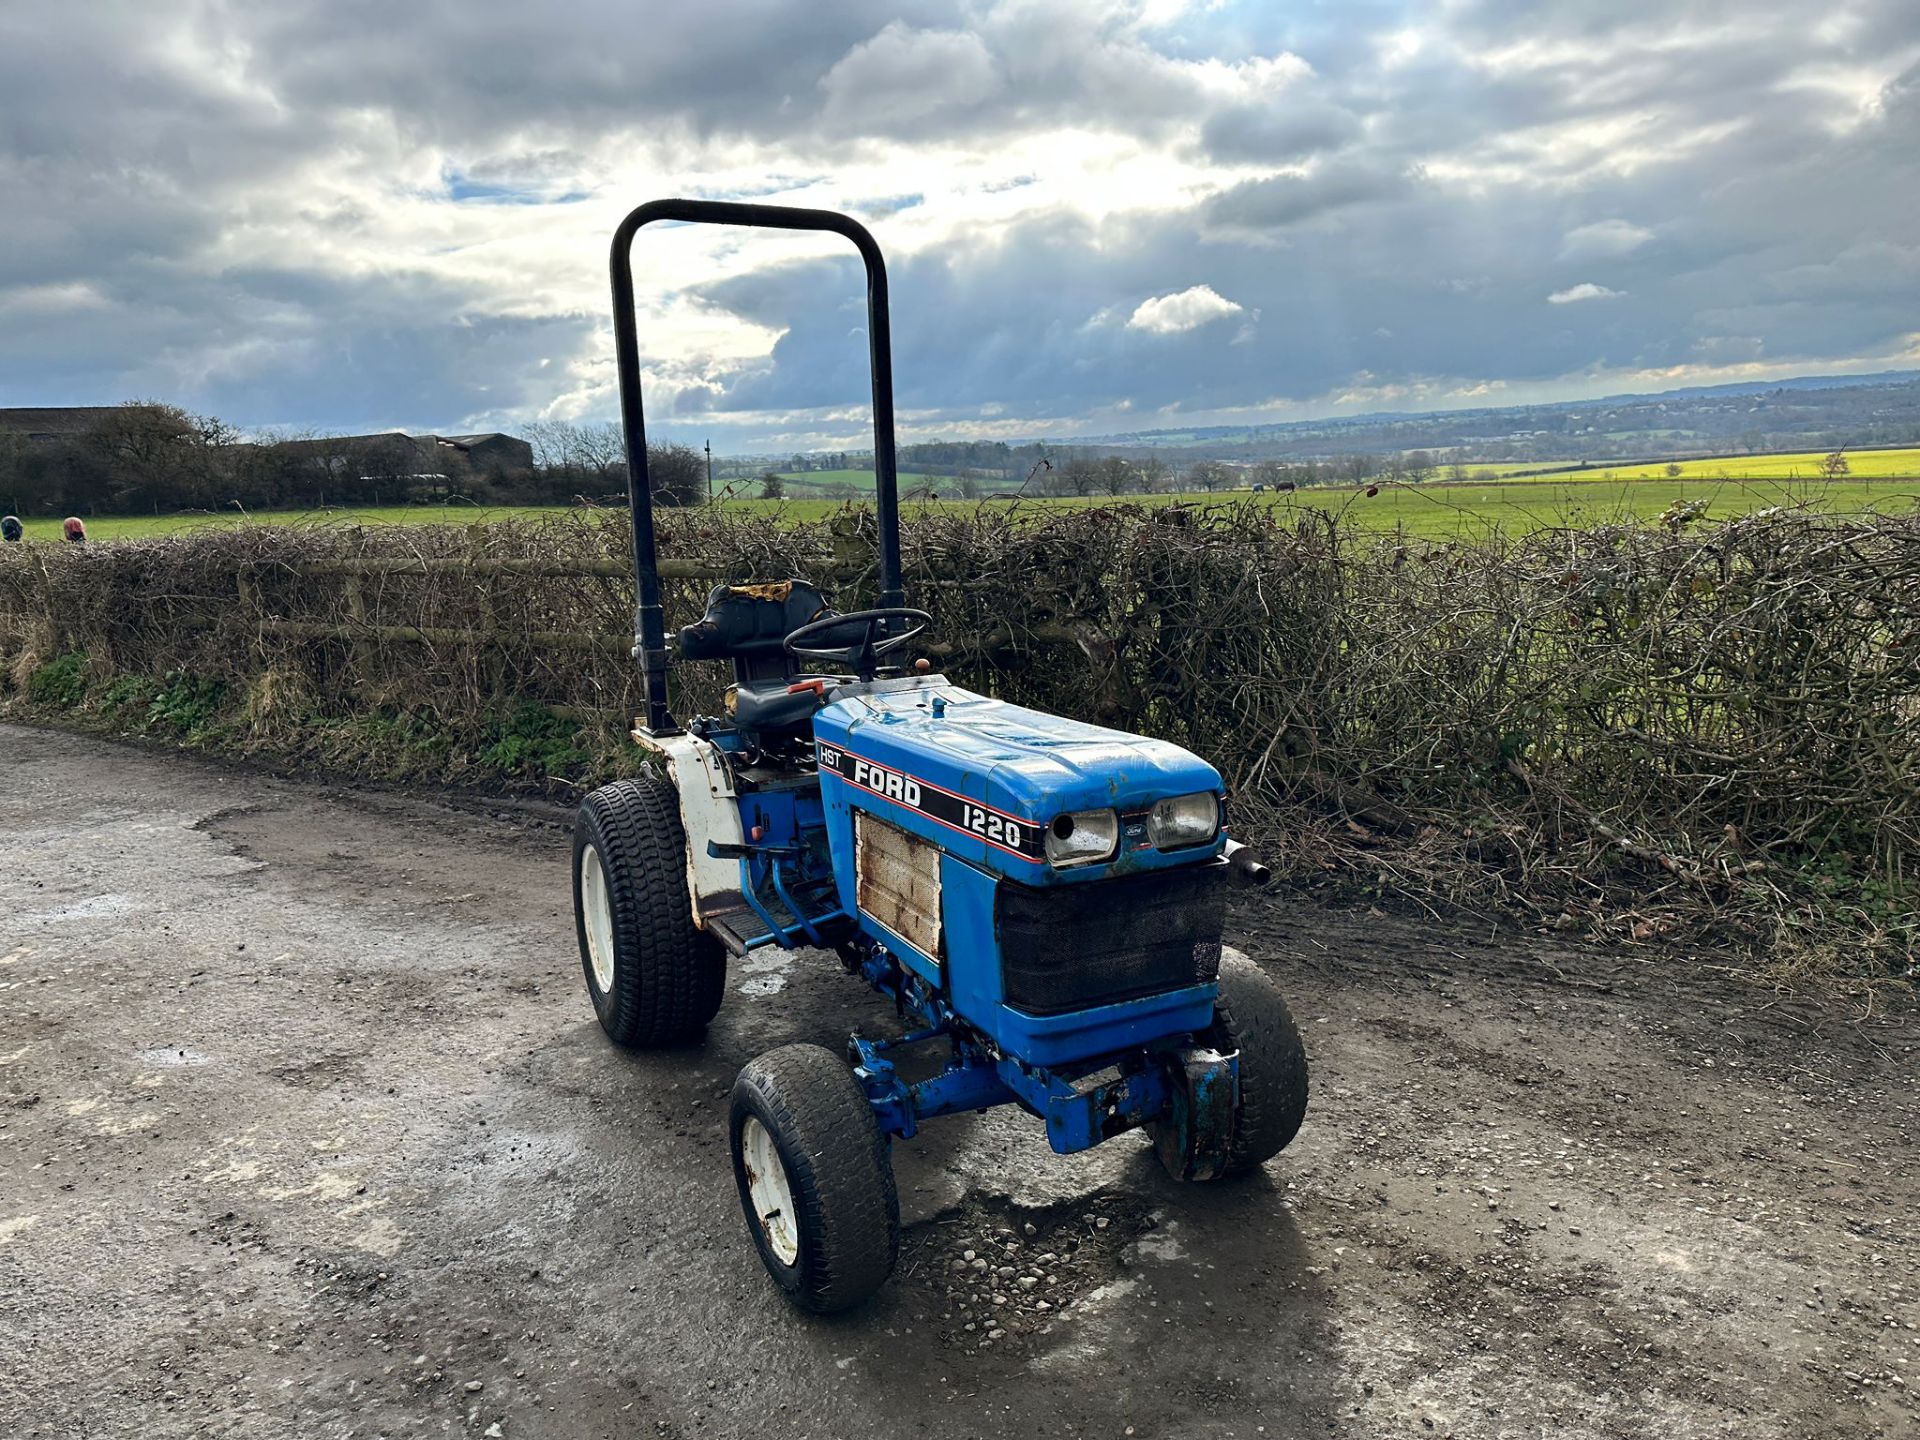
815	1178
655	977
1252	1017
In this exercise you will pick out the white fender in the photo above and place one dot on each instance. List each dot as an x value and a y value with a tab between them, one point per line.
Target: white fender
709	810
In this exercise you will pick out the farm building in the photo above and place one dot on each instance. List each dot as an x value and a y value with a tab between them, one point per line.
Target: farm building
51	424
399	453
490	453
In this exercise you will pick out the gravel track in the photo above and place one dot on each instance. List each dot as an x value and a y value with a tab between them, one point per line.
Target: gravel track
306	1128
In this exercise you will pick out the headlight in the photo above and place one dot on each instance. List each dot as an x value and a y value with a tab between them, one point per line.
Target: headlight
1184	820
1082	838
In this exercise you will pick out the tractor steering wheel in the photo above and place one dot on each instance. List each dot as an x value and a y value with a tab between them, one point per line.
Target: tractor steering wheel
867	637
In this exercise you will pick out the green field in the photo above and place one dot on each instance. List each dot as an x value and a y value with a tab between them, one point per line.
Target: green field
859	479
1433	510
1437	511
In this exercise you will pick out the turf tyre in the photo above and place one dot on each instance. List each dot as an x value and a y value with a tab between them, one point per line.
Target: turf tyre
1251	1016
844	1235
657	978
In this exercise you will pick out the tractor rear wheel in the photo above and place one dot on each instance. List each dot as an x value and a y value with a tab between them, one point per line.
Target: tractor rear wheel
815	1177
655	977
1252	1017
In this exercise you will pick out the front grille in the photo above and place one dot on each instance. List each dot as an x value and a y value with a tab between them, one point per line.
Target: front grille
1069	947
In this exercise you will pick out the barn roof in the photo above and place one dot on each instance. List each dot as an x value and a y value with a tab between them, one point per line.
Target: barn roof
55	419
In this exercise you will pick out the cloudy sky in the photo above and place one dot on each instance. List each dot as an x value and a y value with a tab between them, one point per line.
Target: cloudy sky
1099	216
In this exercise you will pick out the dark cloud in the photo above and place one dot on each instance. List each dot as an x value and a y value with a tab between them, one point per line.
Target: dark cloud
1278	133
1258	206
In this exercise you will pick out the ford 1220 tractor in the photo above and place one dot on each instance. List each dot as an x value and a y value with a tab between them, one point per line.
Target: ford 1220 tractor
1039	897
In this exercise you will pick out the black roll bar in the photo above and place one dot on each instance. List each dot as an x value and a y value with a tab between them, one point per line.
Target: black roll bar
649	624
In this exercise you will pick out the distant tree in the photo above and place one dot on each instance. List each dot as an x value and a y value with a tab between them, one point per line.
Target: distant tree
1419	467
1457	472
1117	476
148	455
1835	465
678	473
968	484
1155	474
1211	475
579	459
1079	476
1674	472
772	487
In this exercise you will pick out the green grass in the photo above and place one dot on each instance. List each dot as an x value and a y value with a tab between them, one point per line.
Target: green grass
859	479
1433	509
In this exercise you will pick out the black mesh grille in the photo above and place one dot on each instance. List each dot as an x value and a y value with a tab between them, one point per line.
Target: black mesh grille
1068	947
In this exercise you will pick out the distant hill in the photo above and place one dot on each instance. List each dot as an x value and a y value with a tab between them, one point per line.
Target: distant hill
1809	412
1803	413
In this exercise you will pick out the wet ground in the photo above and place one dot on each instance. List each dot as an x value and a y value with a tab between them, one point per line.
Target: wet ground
306	1129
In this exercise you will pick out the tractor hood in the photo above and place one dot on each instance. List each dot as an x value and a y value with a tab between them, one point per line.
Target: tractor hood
1024	763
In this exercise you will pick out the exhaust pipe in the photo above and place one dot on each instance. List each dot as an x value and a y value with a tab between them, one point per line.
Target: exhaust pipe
1248	868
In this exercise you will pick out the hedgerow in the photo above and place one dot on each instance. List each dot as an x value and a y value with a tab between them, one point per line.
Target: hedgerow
1672	732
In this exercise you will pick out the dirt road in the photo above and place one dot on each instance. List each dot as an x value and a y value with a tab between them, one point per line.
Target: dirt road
306	1129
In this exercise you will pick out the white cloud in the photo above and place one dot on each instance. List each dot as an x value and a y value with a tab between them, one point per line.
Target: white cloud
1585	290
1187	309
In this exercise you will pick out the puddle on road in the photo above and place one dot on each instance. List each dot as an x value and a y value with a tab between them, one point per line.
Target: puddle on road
168	1055
765	973
96	907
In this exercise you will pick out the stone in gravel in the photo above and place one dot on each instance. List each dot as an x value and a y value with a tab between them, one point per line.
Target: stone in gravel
1101	1223
980	1265
1031	1228
966	1254
1027	1282
474	1387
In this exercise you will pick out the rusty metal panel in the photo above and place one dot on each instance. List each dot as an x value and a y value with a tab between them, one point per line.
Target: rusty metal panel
898	881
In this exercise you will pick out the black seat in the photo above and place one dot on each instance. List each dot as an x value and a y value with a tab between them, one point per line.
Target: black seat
763	705
749	624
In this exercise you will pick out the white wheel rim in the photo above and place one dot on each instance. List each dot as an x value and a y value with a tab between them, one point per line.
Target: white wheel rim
599	915
767	1189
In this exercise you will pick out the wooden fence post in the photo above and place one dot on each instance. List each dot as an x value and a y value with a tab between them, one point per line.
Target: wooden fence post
357	619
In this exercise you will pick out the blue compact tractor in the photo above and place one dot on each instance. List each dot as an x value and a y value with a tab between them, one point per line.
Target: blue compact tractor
1040	899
